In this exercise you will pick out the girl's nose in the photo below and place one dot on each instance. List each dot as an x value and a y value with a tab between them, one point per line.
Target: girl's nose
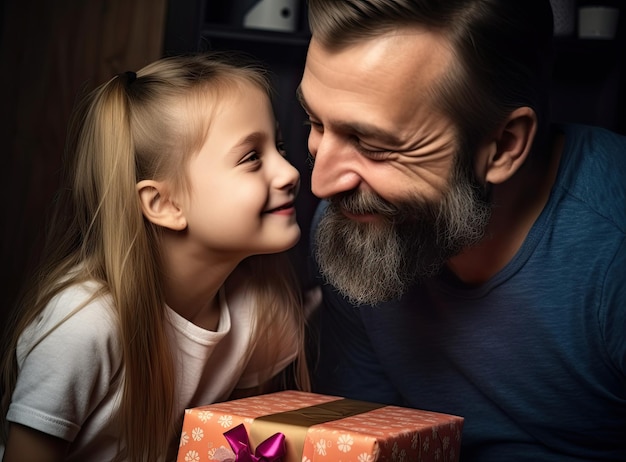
288	176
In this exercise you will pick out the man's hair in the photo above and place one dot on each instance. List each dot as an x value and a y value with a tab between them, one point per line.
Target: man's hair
502	50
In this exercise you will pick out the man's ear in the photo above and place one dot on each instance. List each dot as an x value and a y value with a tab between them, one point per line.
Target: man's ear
158	206
510	146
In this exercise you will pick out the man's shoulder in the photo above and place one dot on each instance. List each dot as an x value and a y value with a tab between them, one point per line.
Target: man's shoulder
319	212
593	171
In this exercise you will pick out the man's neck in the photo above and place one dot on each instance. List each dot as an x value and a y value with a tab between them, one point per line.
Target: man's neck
516	206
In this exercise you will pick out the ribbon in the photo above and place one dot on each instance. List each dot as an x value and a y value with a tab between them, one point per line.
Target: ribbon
295	424
270	450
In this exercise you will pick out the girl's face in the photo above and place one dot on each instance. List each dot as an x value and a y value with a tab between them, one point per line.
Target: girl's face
242	189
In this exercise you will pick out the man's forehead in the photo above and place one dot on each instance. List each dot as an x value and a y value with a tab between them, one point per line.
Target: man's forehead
373	80
403	58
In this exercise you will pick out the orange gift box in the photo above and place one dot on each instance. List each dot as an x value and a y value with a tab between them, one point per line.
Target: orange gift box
320	428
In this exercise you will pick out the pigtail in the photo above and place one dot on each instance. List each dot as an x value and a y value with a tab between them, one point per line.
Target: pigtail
130	267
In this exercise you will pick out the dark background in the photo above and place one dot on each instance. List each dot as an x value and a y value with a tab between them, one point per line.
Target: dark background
51	50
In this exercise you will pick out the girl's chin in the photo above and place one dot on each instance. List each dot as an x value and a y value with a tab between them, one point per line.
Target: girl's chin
290	243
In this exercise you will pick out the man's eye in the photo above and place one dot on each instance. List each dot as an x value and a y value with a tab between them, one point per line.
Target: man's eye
280	146
314	125
376	154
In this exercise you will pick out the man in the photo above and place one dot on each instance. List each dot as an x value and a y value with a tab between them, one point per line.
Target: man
472	255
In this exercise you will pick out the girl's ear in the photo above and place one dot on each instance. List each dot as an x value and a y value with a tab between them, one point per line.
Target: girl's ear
158	207
509	147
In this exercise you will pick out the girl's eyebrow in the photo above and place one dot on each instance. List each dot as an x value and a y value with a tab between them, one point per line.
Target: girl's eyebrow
249	139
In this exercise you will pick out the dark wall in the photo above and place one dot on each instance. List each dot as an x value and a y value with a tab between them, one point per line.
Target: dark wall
49	52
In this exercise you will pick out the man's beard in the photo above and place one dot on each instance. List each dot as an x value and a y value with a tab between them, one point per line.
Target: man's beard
373	262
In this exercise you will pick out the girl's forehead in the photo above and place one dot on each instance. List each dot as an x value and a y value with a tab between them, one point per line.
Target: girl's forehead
219	93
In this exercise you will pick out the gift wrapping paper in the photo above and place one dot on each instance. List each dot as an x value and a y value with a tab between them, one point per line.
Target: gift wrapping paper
321	428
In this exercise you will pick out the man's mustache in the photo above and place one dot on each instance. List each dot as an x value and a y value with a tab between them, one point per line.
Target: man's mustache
363	203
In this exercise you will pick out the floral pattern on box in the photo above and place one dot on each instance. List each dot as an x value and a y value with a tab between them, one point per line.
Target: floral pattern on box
388	433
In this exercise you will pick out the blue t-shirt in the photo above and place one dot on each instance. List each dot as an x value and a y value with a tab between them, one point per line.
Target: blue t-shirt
534	359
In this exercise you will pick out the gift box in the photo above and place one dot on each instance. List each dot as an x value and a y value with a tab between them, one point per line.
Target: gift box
294	426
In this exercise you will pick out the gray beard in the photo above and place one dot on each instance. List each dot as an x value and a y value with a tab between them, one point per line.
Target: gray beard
374	262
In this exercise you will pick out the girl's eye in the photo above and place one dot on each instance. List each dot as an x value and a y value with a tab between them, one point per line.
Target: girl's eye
252	156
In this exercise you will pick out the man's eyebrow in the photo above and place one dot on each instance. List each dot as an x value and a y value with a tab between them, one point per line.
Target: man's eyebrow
358	128
370	132
300	97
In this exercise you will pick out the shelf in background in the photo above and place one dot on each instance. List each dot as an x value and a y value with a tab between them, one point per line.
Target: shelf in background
221	31
585	45
586	60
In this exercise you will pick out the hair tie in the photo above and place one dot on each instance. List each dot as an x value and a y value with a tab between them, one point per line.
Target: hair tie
130	76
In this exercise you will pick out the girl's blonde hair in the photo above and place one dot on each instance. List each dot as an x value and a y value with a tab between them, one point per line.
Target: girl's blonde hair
134	127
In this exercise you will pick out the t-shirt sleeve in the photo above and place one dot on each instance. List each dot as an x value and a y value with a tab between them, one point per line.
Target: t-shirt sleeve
65	373
613	316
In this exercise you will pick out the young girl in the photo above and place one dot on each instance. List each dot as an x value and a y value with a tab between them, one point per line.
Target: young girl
158	291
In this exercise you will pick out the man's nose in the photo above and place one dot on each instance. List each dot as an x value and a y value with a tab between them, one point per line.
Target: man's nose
335	166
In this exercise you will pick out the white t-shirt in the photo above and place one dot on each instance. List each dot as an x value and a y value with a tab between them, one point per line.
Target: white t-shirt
69	384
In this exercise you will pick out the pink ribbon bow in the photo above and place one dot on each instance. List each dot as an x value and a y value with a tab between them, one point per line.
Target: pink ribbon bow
270	450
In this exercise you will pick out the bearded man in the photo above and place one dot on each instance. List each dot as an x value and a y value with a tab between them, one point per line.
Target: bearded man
471	253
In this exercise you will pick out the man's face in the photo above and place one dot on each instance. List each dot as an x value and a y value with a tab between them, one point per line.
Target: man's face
387	160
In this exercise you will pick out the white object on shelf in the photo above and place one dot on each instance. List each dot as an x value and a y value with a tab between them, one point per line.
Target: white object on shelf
597	22
279	15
